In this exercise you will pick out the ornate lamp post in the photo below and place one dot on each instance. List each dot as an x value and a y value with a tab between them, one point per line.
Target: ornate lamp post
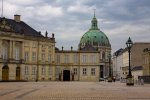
110	77
130	80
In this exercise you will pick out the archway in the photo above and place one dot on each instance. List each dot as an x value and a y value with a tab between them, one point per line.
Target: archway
66	75
5	73
17	73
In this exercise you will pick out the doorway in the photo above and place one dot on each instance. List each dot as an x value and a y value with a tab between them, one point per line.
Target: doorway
66	75
17	73
101	71
5	73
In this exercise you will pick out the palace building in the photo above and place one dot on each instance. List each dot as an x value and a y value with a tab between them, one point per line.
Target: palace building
23	51
27	55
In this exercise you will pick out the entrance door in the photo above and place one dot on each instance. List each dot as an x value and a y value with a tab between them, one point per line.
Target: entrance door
17	73
101	71
66	75
5	73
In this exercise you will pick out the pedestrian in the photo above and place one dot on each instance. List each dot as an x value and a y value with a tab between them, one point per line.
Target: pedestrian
114	79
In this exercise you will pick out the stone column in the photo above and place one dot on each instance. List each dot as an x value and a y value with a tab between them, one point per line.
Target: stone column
13	49
0	48
22	50
54	72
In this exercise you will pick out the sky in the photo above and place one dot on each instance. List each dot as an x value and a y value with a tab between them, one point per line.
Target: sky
70	19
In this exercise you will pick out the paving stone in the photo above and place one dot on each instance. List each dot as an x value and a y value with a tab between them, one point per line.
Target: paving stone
73	91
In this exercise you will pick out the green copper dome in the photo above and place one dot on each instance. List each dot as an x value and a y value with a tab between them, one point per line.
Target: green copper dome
94	36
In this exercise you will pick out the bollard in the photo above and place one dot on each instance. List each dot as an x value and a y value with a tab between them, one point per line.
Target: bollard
142	82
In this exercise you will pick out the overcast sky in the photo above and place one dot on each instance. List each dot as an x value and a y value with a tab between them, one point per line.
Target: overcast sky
70	19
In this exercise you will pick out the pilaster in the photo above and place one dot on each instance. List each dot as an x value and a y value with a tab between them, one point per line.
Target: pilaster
22	52
0	48
11	49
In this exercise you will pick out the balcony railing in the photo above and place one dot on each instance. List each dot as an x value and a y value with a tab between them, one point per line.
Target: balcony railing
21	61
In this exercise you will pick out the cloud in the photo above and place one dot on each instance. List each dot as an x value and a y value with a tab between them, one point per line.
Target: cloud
70	19
49	11
24	2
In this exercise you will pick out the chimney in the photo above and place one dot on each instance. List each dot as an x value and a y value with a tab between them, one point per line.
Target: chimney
17	18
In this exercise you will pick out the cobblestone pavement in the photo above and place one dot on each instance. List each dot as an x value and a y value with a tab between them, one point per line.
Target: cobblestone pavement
73	91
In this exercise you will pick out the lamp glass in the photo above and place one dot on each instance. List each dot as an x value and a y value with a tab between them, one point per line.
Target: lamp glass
129	43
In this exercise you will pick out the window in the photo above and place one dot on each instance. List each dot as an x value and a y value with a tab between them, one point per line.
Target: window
33	56
103	55
66	58
57	70
58	59
43	70
34	70
26	70
26	56
49	47
94	24
43	46
92	71
75	58
84	71
75	71
92	59
26	44
4	53
34	45
43	56
17	53
50	71
84	58
49	57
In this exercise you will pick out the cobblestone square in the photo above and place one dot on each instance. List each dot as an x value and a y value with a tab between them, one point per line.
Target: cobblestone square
73	91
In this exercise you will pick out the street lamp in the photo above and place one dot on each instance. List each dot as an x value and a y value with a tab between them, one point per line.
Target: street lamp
110	77
130	80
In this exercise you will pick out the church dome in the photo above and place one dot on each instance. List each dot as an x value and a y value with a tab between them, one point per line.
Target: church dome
94	37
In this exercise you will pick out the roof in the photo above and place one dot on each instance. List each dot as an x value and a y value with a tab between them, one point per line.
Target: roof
18	27
136	68
75	51
118	52
88	47
95	37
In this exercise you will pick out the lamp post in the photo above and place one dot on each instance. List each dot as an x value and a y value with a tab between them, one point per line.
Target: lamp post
130	80
110	77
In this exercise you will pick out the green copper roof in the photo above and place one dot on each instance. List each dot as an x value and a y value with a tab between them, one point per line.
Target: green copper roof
94	36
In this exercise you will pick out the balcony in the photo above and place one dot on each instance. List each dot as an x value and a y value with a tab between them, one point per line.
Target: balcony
12	61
